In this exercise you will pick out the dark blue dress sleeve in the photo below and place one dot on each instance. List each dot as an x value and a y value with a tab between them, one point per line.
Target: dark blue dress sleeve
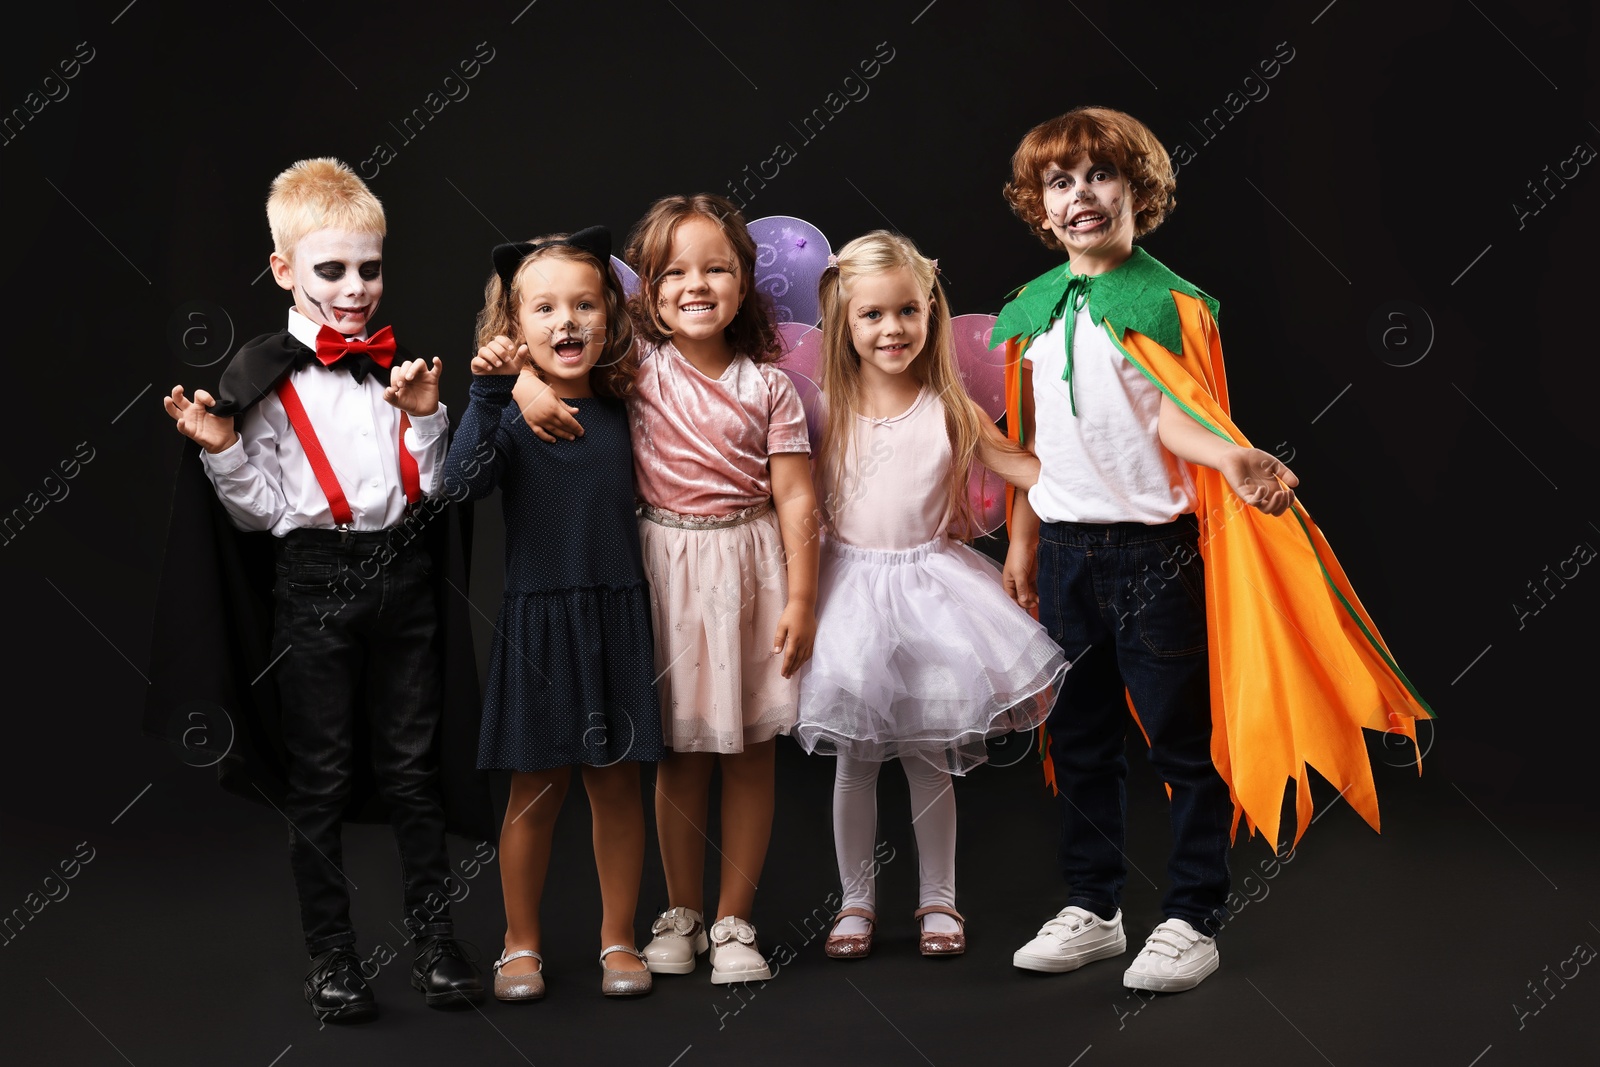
480	447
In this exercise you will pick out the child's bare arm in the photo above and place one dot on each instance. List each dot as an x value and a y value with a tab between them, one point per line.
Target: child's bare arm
1021	573
1259	478
796	501
1020	576
1006	458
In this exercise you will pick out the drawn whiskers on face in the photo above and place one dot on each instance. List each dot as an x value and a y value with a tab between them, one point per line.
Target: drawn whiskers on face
569	340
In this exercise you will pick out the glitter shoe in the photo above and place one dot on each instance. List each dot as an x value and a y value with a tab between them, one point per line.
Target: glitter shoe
519	986
941	944
624	983
850	946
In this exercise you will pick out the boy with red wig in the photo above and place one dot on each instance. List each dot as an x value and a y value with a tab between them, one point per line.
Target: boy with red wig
1154	530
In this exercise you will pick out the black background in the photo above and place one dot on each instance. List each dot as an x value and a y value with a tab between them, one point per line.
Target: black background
1386	163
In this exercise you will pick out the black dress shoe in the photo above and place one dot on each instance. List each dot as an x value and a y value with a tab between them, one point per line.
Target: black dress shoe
444	975
335	989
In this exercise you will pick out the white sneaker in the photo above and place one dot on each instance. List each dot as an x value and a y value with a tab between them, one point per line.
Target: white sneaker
1175	958
1074	937
679	938
734	956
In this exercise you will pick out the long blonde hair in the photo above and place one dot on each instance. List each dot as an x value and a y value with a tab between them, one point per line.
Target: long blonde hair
934	367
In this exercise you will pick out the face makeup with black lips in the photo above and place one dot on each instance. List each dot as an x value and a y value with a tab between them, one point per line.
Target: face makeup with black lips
336	277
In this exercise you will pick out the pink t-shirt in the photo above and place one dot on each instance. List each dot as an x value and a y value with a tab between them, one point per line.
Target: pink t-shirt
700	445
895	490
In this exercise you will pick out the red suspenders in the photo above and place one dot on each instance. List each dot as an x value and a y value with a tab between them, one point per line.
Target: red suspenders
410	478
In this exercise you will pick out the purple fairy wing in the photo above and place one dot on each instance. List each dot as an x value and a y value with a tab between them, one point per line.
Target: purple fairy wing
802	361
982	371
629	280
791	255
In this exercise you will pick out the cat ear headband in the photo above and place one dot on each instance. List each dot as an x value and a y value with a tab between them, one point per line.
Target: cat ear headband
596	240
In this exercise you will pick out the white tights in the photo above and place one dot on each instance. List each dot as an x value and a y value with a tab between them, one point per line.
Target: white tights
855	826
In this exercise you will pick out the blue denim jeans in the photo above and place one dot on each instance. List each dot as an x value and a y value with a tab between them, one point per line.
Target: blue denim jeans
1126	602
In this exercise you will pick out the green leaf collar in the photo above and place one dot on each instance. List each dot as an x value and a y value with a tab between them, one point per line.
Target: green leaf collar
1137	295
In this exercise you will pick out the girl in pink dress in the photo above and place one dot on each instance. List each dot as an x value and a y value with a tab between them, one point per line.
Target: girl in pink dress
920	653
728	532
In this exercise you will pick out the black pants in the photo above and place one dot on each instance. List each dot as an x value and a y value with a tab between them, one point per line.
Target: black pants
1126	602
357	632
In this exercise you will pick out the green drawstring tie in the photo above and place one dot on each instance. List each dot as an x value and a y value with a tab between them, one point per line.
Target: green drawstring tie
1072	302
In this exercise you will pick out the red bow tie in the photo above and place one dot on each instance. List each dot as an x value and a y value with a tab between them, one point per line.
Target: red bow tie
332	347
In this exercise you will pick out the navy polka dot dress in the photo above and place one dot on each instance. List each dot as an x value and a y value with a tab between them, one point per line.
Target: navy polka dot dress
571	674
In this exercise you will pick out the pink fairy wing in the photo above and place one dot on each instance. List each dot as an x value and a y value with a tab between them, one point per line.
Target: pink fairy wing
982	371
802	361
791	255
629	280
986	490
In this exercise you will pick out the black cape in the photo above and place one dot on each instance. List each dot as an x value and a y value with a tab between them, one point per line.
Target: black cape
211	692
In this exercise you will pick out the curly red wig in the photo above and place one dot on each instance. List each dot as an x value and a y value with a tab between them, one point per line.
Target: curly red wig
1104	135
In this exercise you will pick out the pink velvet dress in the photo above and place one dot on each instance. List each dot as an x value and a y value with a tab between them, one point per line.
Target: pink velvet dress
712	548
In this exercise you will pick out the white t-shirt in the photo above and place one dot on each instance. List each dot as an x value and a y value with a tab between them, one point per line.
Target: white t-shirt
1107	463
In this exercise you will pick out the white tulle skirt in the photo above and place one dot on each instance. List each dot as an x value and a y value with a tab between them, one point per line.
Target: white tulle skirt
921	653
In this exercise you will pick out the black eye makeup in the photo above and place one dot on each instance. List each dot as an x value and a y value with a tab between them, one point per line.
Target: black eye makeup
371	270
329	272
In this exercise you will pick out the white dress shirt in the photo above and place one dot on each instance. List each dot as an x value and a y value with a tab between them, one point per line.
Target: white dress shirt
265	481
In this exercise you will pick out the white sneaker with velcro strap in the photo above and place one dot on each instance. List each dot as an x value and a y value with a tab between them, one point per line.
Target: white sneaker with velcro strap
1074	937
1176	957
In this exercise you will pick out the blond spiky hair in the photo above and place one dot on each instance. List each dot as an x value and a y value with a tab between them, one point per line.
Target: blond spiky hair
318	194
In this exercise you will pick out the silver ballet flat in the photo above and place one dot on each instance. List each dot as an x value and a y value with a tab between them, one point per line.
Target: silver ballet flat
518	986
623	983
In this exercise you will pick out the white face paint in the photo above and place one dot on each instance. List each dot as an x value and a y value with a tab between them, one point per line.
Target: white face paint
1089	206
336	277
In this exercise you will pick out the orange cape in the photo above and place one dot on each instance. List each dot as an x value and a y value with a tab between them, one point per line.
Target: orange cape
1298	667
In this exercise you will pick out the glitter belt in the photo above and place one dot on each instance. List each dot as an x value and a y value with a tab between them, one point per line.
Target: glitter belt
663	517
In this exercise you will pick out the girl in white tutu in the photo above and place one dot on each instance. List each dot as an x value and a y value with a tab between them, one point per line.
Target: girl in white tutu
920	655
